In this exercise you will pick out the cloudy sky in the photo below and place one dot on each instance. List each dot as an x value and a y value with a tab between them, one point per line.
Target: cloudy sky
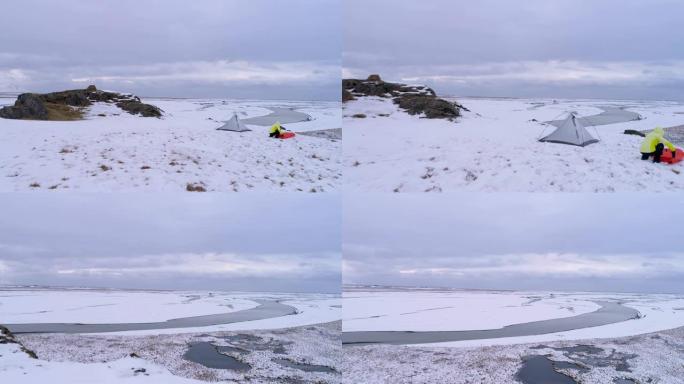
288	243
211	48
535	48
588	242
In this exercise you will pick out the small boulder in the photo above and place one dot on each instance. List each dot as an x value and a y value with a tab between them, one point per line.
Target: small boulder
374	77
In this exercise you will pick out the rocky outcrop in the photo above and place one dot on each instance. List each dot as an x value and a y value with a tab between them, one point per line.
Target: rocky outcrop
27	106
57	105
135	107
6	337
414	99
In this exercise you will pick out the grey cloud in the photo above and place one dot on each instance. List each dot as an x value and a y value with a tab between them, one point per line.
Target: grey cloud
52	43
456	39
515	241
249	242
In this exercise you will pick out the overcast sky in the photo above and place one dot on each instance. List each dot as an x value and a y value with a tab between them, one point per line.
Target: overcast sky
533	48
286	243
588	242
211	48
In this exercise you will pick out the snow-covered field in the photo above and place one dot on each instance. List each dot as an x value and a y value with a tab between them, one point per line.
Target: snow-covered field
309	337
494	148
101	306
92	306
646	350
114	151
435	310
651	358
453	310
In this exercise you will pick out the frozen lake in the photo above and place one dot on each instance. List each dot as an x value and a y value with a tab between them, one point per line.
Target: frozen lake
265	310
608	313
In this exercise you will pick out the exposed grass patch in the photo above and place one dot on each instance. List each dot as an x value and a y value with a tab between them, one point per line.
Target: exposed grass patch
61	112
190	187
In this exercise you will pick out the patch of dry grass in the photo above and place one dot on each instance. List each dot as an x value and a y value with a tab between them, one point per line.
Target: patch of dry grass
190	187
61	112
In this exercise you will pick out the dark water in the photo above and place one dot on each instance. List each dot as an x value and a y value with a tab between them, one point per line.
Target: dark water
265	310
539	369
609	313
304	367
210	356
283	115
248	342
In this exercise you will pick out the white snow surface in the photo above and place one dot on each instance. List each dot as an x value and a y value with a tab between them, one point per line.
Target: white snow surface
101	307
118	306
311	309
453	310
17	367
659	312
122	152
495	309
495	148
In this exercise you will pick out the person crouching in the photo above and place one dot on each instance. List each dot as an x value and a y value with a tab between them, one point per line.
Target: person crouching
276	130
654	144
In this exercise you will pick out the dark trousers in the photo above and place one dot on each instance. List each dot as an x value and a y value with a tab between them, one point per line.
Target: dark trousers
656	155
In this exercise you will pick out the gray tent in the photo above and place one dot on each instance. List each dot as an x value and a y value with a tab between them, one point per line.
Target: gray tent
570	131
234	124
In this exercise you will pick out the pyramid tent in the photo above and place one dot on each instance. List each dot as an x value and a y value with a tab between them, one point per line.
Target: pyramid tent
234	124
570	131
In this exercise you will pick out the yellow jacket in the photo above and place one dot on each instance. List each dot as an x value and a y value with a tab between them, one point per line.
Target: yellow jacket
275	128
654	138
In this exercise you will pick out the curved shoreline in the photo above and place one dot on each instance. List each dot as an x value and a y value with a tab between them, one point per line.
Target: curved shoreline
282	115
609	313
610	115
265	310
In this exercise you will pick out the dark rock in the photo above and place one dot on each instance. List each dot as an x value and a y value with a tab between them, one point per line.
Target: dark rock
34	106
415	99
359	116
634	132
433	107
135	107
27	106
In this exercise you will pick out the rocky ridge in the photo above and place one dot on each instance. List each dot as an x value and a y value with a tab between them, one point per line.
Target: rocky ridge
69	105
414	99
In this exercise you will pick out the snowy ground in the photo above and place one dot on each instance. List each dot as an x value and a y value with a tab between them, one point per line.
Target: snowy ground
434	310
494	148
90	306
652	358
114	151
94	307
453	310
159	359
310	337
646	350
